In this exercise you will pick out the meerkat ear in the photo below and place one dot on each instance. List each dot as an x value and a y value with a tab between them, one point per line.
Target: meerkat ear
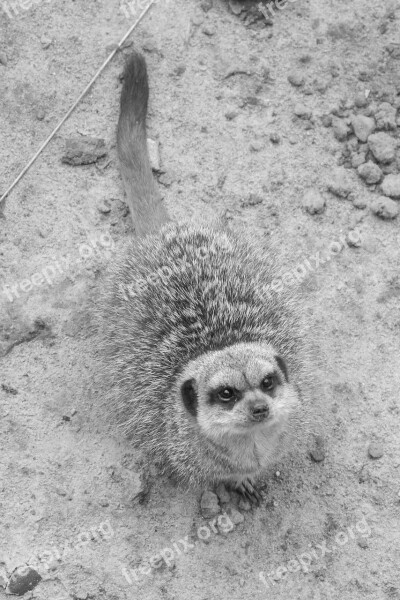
189	396
283	367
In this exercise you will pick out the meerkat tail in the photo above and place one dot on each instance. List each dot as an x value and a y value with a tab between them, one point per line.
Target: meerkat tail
145	202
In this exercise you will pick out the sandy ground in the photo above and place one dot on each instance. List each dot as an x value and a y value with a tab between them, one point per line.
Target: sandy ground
219	89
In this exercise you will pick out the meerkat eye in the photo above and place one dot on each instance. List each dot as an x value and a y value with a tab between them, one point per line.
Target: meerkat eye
268	383
226	394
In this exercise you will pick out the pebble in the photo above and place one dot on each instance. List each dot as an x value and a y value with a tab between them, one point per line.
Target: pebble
317	453
362	127
386	117
361	100
104	207
40	114
256	146
231	114
210	31
370	172
375	450
206	5
339	183
391	186
236	7
382	147
357	159
302	111
326	120
385	208
3	582
359	202
84	150
313	202
275	138
340	129
154	154
23	580
296	78
222	493
209	506
3	59
363	543
45	41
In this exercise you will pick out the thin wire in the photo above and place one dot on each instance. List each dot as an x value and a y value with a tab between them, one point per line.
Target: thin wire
43	146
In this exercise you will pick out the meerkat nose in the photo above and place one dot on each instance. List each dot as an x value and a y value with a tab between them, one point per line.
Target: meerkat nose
259	412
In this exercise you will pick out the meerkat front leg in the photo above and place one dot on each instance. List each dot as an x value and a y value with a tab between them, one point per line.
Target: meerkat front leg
247	489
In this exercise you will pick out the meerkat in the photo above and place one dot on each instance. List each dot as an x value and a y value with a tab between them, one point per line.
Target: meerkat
204	367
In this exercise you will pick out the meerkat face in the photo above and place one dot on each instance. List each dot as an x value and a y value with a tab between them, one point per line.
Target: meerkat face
239	390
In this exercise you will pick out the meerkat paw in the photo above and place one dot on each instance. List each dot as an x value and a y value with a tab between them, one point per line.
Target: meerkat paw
249	491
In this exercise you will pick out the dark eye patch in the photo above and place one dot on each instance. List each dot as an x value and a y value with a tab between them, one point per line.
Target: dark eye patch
283	367
189	396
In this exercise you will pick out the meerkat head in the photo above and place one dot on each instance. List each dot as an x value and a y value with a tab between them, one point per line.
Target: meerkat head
241	389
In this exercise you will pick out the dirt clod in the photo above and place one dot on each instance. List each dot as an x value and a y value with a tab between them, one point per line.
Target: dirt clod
209	506
370	172
391	186
317	452
385	208
23	580
362	127
375	450
382	147
313	202
84	150
296	78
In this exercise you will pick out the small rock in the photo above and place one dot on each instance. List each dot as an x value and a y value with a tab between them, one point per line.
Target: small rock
23	580
3	582
209	506
370	172
363	543
386	117
317	453
362	127
275	138
327	120
236	7
391	186
385	208
104	207
359	202
231	114
3	59
313	202
340	129
154	154
357	159
339	183
244	504
382	147
302	111
361	100
150	46
210	31
375	450
256	146
84	150
296	78
45	41
206	5
235	516
353	238
40	114
222	493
